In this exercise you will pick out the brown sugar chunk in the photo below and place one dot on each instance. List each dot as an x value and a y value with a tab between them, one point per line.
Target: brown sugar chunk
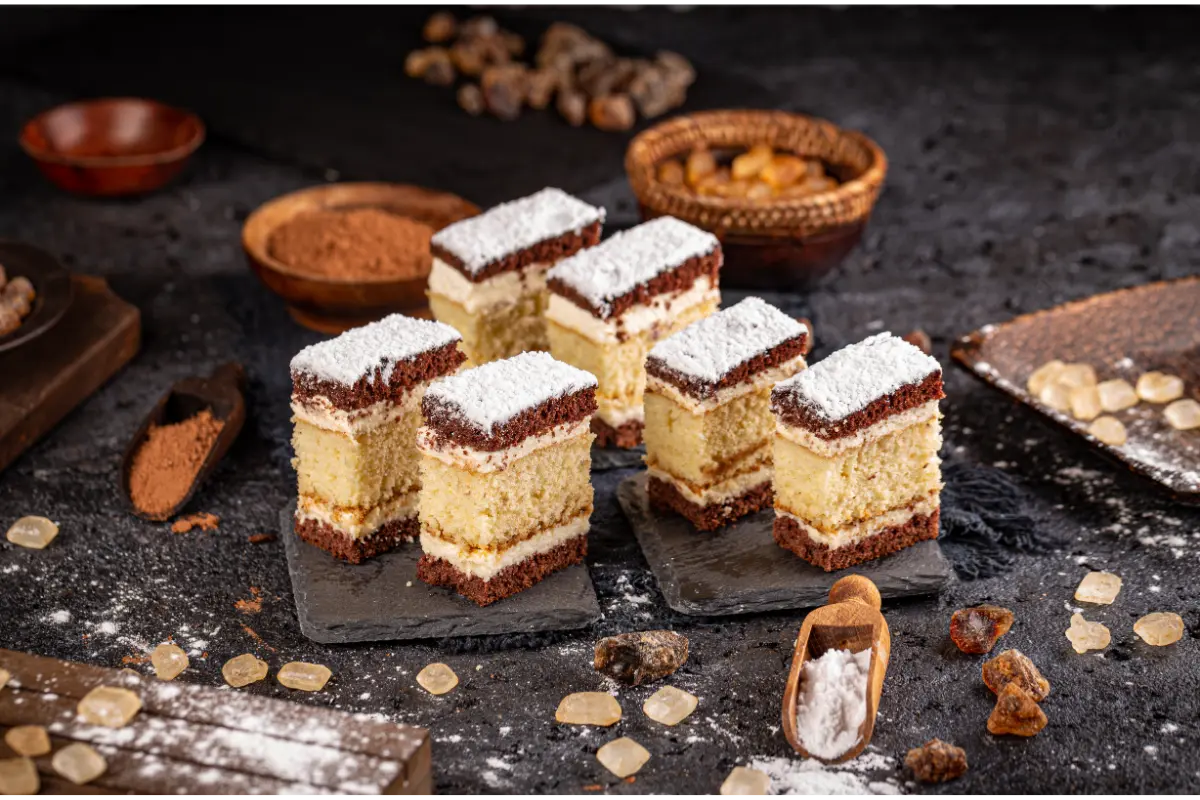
936	762
1013	666
976	630
1016	713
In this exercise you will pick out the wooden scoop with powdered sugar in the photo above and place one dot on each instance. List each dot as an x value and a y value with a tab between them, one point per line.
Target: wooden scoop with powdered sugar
833	718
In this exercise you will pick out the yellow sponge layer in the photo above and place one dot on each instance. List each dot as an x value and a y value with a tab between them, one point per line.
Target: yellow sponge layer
358	470
546	488
700	447
495	333
887	473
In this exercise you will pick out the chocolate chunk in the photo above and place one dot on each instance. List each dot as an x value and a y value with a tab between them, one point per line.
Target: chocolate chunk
636	658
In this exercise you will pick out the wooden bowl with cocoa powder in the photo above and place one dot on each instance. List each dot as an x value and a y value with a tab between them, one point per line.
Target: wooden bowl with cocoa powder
346	254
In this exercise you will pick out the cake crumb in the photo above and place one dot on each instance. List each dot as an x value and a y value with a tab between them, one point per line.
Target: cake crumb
203	521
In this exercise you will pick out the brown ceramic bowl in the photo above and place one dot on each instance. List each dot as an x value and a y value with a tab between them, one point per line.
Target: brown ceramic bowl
332	305
112	146
776	244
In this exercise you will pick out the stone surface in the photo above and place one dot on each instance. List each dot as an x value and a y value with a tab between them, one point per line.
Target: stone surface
110	706
1085	635
976	630
640	657
437	678
28	740
306	677
34	533
936	762
79	763
1160	628
382	599
1076	189
1100	588
740	569
244	670
670	706
1016	713
18	776
1013	666
623	757
745	780
168	660
588	708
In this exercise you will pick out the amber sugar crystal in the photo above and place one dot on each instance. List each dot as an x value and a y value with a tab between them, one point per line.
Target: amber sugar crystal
168	660
18	776
1013	666
976	630
244	670
109	706
744	780
1160	628
588	708
79	763
1016	713
936	762
1086	635
437	678
1100	588
669	705
32	532
623	757
28	740
305	677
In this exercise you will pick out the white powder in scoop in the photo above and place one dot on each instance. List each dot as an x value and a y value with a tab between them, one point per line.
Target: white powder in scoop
630	258
833	702
359	351
495	393
514	226
710	349
857	375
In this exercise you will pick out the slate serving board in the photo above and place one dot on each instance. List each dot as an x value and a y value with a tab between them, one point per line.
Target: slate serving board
339	603
741	570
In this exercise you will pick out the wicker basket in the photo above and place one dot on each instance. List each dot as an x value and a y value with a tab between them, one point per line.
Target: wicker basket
857	160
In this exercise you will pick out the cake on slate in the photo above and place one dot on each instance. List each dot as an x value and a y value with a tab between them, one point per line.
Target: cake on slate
609	304
356	403
488	278
708	419
857	474
505	474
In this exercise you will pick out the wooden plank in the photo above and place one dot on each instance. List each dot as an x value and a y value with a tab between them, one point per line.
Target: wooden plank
42	380
205	740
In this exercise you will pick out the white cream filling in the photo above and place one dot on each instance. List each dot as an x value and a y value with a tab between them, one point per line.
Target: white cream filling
855	532
321	413
498	291
486	564
722	396
617	412
719	492
469	458
832	448
635	319
355	521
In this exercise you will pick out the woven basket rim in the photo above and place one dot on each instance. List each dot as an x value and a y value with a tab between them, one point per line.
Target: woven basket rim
642	176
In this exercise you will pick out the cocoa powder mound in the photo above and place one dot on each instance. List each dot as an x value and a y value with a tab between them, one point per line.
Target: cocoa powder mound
167	463
363	243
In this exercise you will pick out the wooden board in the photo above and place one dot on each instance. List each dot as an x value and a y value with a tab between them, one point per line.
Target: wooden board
43	380
200	740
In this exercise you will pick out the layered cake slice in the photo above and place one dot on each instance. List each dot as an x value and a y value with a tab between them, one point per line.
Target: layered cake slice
708	418
488	278
857	474
505	475
356	404
609	304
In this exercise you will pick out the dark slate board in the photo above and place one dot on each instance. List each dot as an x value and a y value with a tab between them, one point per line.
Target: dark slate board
741	570
604	458
339	603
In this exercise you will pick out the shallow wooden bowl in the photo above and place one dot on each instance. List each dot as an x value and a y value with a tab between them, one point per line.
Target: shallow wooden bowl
51	284
775	244
112	146
332	305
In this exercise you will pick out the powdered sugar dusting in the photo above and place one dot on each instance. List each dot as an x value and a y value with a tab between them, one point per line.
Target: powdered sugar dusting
622	262
857	375
867	774
711	348
358	352
516	225
495	393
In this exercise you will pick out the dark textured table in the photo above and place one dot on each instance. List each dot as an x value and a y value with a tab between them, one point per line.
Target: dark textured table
1035	157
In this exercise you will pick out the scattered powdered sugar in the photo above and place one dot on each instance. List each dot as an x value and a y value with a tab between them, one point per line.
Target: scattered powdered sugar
495	393
711	348
516	225
357	352
855	376
809	776
833	702
630	258
61	617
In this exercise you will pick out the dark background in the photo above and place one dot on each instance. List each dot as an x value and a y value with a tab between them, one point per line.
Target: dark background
1036	156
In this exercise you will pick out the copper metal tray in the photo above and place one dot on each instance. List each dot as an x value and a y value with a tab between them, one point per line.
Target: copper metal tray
1122	334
